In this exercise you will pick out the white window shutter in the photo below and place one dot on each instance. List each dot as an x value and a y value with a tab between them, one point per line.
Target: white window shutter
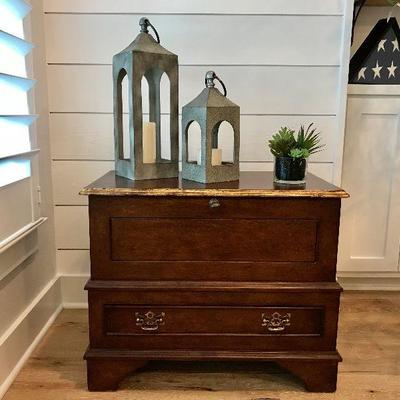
17	187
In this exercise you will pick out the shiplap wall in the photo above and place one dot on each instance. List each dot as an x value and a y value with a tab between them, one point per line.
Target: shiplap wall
284	63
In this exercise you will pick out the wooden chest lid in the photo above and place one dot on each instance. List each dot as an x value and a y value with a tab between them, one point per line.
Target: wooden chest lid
250	184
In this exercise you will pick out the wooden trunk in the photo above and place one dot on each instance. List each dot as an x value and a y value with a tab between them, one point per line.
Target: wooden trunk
184	271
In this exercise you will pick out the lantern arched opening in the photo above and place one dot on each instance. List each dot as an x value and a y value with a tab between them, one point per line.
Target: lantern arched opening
121	99
223	137
193	143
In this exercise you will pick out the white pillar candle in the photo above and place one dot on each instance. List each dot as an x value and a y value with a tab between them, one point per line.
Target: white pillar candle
216	157
149	142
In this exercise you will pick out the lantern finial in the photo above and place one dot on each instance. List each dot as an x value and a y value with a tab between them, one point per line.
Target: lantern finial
209	80
144	23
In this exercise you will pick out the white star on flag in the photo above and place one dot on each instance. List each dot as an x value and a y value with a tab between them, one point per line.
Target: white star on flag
361	73
381	45
395	45
392	69
377	70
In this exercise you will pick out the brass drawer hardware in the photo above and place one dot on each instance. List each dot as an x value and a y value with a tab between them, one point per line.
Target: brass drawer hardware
276	322
214	203
149	321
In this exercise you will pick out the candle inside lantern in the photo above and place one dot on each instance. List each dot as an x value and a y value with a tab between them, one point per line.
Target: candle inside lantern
149	142
216	157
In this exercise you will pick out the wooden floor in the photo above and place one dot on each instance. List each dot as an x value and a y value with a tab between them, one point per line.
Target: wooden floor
369	341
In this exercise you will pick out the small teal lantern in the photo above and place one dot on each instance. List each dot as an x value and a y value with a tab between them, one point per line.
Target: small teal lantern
209	109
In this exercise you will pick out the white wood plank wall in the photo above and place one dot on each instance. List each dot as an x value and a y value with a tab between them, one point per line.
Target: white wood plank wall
284	63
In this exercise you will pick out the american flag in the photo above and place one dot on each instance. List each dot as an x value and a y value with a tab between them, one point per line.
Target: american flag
377	61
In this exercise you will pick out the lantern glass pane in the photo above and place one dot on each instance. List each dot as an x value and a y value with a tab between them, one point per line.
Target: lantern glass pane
194	142
165	117
145	100
226	141
125	121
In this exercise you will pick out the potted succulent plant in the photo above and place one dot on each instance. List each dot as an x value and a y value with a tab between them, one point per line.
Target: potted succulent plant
291	152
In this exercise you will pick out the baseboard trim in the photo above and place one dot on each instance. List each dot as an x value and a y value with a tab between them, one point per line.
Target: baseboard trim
74	306
12	332
371	282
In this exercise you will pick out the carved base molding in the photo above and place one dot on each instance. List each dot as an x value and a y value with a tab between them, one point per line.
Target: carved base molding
107	368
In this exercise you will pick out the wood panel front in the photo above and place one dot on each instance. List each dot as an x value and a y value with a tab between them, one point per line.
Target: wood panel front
194	239
244	239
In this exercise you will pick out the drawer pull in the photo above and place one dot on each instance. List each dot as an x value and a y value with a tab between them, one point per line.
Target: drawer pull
214	203
276	322
149	321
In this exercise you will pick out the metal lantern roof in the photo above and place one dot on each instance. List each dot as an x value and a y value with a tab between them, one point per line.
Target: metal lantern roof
145	43
210	97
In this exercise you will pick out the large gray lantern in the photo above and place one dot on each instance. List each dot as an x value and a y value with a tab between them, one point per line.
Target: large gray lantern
209	109
145	57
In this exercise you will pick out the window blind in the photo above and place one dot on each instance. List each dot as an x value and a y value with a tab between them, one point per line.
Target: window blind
15	119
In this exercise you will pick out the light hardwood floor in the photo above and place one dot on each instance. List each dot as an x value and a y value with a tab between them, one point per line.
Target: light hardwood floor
369	341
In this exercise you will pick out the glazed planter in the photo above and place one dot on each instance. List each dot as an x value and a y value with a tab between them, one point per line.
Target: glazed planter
288	170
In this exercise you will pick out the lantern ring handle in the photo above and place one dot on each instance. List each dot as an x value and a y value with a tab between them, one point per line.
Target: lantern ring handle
222	84
155	32
144	23
208	80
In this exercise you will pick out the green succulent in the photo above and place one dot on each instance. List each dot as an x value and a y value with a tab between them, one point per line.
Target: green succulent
393	2
299	153
309	139
285	144
282	142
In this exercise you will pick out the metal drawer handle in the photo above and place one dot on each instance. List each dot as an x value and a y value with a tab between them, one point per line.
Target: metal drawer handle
276	322
214	203
149	321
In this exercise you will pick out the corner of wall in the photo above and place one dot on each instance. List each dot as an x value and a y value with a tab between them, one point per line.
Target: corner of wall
30	295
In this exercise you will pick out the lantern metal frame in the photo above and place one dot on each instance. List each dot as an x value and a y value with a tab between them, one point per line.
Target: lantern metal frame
145	57
209	109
